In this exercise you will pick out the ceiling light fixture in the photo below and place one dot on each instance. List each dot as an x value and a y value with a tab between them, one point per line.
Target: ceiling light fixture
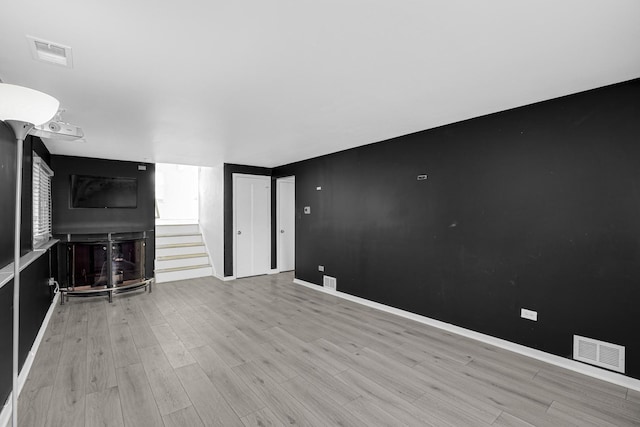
21	108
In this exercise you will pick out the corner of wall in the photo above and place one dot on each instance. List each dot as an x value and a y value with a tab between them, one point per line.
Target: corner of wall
211	214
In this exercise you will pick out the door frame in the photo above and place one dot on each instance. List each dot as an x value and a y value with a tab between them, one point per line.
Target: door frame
291	179
234	177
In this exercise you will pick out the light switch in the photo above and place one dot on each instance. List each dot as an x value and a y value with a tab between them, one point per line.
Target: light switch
307	210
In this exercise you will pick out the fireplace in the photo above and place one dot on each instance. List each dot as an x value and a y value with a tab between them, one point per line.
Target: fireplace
103	264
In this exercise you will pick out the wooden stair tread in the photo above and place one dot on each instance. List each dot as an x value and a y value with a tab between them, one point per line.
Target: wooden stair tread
181	256
178	222
190	267
179	245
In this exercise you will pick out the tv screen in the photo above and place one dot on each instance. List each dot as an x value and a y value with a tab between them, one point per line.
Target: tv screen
103	192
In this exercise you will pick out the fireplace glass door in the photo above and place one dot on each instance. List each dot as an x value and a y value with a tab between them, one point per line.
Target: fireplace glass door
89	269
88	265
126	262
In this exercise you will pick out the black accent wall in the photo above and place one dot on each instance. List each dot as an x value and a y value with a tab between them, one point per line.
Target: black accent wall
6	340
536	207
68	220
35	294
7	192
92	220
35	299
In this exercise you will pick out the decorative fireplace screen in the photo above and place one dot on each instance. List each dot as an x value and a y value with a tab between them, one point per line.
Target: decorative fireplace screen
104	264
90	267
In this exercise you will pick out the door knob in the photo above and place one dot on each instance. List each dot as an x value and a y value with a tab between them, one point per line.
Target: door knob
239	232
282	231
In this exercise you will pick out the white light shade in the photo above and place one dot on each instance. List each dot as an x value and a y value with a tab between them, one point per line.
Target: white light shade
26	105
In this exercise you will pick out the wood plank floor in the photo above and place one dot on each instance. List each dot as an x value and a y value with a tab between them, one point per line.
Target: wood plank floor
263	351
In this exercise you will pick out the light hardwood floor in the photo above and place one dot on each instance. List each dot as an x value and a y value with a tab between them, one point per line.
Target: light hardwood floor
263	351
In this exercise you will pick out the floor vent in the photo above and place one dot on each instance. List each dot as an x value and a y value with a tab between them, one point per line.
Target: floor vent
329	282
599	353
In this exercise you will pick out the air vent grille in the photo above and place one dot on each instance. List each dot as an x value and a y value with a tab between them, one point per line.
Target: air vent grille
50	49
599	353
609	356
47	51
329	282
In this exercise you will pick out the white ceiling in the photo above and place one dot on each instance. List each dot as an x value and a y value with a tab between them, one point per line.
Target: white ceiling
271	82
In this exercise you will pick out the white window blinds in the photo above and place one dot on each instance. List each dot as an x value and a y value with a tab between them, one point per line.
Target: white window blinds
41	201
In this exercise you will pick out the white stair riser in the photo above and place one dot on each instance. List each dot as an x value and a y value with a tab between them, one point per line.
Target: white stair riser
180	250
177	229
170	276
172	240
182	262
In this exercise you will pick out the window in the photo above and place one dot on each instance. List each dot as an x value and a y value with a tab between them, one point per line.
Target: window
41	201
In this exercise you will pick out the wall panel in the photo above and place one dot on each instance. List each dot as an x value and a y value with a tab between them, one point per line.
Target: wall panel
535	207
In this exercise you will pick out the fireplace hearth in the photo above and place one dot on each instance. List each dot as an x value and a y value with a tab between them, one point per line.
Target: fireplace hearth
103	264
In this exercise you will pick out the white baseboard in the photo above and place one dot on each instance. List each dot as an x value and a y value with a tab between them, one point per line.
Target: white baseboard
225	278
5	415
552	359
274	271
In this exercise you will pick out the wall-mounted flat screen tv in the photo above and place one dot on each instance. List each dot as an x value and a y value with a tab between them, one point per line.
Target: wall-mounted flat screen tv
103	192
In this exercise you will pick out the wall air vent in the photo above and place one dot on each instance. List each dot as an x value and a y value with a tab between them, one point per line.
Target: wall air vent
599	353
51	52
329	283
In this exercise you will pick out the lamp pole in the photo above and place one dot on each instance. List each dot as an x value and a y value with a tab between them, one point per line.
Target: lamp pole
20	129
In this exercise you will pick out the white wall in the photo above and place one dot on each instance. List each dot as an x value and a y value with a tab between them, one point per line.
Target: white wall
211	212
176	191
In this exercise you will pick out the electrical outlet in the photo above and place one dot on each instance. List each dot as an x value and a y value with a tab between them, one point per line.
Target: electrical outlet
529	314
321	268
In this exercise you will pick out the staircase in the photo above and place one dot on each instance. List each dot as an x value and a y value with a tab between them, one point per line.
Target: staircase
180	253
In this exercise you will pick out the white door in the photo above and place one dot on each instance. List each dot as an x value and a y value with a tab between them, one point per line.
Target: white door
286	196
252	224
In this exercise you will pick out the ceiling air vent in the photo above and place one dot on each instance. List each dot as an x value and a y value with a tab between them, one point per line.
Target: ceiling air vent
54	53
599	353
